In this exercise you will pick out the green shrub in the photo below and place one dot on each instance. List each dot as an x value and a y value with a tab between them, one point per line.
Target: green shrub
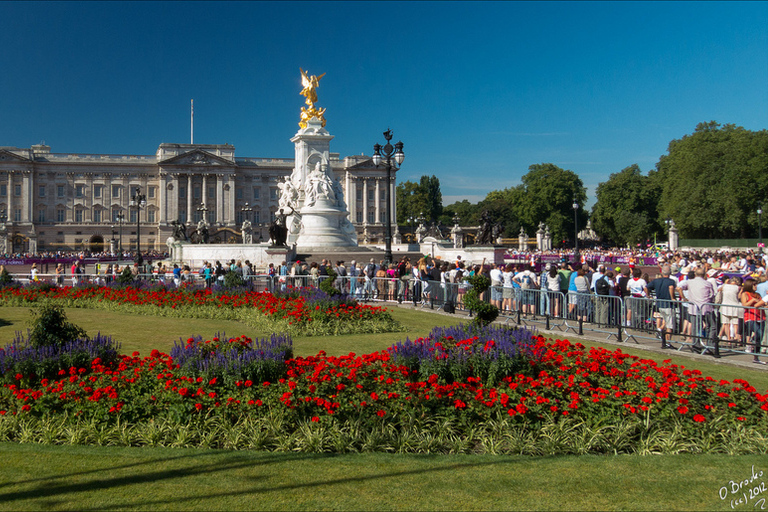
51	329
485	313
327	284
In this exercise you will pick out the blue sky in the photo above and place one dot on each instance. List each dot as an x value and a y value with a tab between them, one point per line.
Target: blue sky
477	91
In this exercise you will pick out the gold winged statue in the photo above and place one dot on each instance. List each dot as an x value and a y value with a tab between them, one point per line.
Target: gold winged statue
310	84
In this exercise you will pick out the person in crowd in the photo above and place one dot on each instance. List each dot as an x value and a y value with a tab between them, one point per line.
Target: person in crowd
754	318
663	288
528	282
381	280
731	315
701	295
582	296
496	282
508	289
554	285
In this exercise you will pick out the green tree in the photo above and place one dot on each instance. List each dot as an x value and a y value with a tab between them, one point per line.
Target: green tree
626	208
713	180
416	199
547	195
468	213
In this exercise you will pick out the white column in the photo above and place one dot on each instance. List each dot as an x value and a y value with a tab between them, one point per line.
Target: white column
204	191
220	217
377	203
231	196
365	200
26	196
162	198
348	196
189	199
10	196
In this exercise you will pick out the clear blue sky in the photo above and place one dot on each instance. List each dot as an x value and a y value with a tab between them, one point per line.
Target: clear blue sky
477	91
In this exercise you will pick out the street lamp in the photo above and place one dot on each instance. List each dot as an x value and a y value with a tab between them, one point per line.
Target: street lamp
120	218
576	231
138	201
112	242
390	153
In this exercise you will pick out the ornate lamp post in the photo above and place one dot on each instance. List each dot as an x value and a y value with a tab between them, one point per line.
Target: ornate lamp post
393	159
138	201
120	218
576	231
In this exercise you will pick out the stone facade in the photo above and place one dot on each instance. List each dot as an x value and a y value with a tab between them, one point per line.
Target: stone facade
66	201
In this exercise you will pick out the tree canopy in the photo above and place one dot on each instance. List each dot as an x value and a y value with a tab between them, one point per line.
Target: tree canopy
713	180
416	199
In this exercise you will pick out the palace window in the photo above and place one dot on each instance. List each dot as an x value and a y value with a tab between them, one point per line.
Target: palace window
97	215
41	215
78	215
97	190
257	217
151	192
79	190
115	191
196	192
239	194
371	217
183	215
182	192
273	193
256	193
17	190
17	215
115	213
371	195
383	217
132	217
359	217
41	191
211	193
61	215
60	190
151	216
3	190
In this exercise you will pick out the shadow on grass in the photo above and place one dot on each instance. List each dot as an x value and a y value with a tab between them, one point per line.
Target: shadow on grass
46	488
5	323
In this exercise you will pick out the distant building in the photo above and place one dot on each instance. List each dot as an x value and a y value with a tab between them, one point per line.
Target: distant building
67	201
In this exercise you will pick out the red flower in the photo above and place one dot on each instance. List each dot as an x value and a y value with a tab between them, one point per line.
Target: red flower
698	418
682	409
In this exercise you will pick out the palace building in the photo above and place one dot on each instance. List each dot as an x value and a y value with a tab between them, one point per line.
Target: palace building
72	202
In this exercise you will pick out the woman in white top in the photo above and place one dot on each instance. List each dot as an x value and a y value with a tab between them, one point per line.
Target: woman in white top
553	290
507	288
730	315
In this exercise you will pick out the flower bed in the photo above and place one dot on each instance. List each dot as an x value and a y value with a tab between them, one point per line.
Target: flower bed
559	398
299	311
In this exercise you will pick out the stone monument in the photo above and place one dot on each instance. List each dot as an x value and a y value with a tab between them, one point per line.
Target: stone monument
319	215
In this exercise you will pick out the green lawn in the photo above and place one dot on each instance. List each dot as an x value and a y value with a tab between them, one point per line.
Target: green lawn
89	478
84	477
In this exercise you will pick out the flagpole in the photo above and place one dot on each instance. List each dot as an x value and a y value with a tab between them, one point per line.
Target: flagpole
192	122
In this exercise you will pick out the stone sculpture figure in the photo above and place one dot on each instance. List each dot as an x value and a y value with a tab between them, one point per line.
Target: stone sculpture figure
179	230
247	232
484	233
318	186
278	231
288	193
202	231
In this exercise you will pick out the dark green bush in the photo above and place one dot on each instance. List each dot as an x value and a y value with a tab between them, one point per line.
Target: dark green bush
51	329
485	313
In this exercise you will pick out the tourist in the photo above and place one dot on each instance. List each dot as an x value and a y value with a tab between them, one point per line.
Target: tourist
701	295
663	289
731	314
754	318
507	287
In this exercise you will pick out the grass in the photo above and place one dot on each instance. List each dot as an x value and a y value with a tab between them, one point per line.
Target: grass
79	477
85	477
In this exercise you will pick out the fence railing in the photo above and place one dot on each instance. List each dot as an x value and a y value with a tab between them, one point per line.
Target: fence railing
706	328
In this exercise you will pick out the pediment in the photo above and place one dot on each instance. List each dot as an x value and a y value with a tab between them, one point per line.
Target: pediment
365	164
8	157
197	157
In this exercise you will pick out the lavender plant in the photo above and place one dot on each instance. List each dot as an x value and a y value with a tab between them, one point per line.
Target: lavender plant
45	361
234	359
466	350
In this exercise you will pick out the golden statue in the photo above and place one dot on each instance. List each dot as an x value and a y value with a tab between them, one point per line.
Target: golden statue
310	84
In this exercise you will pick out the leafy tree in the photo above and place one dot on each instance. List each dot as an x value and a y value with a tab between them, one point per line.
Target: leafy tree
713	180
415	199
469	214
626	207
547	195
501	205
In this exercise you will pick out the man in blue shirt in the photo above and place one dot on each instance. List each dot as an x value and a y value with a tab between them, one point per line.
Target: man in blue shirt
663	289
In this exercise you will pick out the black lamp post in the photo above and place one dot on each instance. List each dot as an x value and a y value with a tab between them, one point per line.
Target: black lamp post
120	218
576	232
112	242
138	201
390	153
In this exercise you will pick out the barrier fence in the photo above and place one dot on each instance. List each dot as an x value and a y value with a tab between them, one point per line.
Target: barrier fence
705	328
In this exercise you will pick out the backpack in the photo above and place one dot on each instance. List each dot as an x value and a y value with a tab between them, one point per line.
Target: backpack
602	287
